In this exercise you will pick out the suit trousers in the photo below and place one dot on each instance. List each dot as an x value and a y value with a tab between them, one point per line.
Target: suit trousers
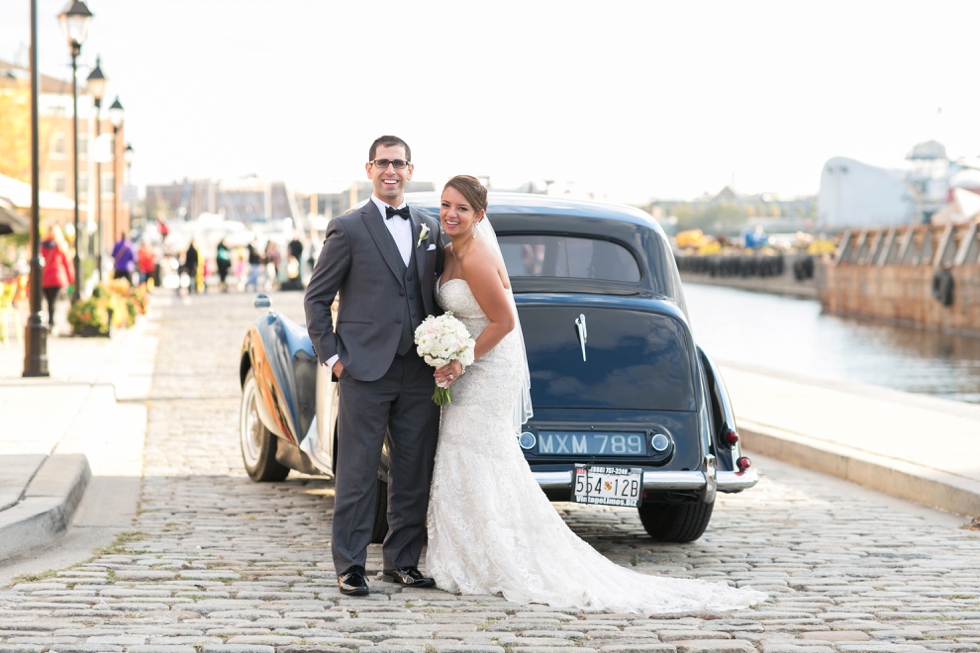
400	405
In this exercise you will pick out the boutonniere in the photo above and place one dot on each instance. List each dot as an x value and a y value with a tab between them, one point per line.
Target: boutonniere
423	234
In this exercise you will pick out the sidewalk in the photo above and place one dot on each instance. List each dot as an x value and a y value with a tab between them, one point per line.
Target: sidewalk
56	433
915	447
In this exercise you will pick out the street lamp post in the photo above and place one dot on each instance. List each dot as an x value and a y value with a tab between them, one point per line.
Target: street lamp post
36	331
116	116
96	86
128	158
74	23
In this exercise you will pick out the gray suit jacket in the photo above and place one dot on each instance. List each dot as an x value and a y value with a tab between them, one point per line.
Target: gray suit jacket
360	260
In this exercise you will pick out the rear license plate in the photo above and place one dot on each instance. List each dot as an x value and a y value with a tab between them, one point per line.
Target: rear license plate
608	486
591	443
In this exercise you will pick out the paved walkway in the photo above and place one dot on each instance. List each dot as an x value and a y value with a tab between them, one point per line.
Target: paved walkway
217	564
916	447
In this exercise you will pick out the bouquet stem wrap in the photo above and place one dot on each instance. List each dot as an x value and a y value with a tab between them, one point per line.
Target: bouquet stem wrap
442	396
441	340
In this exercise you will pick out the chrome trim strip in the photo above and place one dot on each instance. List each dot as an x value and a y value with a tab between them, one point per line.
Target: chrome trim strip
735	481
654	481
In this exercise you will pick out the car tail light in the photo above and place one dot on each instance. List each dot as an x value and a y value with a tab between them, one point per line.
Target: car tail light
743	463
731	437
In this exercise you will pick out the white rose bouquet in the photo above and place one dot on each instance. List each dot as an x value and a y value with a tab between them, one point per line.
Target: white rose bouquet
441	340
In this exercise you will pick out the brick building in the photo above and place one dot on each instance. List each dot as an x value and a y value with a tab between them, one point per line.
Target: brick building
56	160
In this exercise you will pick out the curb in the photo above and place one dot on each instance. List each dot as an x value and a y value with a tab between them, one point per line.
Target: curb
898	478
48	504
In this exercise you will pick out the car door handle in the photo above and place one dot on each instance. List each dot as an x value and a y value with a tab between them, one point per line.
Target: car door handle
583	332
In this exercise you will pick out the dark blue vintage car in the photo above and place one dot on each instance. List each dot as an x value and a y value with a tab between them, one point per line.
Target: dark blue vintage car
628	410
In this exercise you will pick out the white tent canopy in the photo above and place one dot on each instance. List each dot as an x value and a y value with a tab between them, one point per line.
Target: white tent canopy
18	193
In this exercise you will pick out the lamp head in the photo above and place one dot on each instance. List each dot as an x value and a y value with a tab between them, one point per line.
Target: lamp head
74	23
128	154
97	83
116	113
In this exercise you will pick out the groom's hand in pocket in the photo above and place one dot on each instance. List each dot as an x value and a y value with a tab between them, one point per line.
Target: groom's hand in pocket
338	369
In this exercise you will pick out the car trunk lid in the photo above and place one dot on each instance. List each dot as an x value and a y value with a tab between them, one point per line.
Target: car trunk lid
591	356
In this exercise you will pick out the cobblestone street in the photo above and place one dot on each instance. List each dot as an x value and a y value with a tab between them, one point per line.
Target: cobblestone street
217	563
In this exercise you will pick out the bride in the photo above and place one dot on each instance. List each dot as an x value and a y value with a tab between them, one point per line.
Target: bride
491	529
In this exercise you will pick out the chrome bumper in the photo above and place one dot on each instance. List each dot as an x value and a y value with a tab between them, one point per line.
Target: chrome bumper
737	481
694	481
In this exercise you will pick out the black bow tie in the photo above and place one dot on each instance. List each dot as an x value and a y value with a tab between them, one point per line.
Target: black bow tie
403	211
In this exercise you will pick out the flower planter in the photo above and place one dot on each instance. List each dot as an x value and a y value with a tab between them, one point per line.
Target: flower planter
90	331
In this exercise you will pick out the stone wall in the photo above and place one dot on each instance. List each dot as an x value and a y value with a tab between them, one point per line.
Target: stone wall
901	294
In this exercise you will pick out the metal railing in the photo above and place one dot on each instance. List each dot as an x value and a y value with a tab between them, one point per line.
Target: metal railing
925	244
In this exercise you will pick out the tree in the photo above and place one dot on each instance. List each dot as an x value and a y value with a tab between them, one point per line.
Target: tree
15	134
718	217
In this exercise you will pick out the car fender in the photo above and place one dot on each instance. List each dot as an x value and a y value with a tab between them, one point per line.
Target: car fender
730	479
281	357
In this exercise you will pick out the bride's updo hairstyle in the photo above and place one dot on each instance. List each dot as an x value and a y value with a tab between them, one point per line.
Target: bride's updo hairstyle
470	188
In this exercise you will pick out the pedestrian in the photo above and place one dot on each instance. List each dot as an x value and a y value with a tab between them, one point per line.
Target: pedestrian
203	271
272	263
295	248
294	261
163	229
124	259
254	263
58	272
191	261
147	262
223	259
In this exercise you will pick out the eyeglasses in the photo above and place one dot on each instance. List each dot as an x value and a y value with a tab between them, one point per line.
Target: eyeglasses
384	163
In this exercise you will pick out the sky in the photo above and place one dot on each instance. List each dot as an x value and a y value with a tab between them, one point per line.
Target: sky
628	100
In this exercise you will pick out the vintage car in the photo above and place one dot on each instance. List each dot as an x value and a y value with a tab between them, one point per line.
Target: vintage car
628	410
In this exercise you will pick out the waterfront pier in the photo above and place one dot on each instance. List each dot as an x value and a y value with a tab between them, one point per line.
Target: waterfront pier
927	276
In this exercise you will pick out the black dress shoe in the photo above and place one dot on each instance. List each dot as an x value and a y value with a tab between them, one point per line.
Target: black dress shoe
407	576
353	581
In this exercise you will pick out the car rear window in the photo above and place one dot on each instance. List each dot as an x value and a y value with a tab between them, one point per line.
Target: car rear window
632	360
576	257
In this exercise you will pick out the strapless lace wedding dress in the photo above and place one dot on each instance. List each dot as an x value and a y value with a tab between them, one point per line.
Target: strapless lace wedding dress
491	528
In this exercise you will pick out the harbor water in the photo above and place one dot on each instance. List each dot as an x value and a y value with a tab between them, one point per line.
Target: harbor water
792	335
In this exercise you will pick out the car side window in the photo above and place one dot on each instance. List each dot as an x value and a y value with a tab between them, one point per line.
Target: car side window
538	255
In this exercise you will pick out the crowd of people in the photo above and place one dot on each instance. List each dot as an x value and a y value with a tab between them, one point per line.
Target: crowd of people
251	268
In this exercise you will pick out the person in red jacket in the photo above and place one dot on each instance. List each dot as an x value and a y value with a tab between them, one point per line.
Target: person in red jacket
147	262
58	272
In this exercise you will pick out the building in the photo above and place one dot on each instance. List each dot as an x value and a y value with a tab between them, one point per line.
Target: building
855	194
249	199
56	153
728	211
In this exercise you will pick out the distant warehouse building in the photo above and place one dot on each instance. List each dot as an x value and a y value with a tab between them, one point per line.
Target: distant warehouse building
855	194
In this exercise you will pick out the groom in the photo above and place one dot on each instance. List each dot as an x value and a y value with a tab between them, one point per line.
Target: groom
383	258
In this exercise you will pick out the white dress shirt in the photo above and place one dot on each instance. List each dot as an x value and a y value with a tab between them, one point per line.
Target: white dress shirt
401	232
399	228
